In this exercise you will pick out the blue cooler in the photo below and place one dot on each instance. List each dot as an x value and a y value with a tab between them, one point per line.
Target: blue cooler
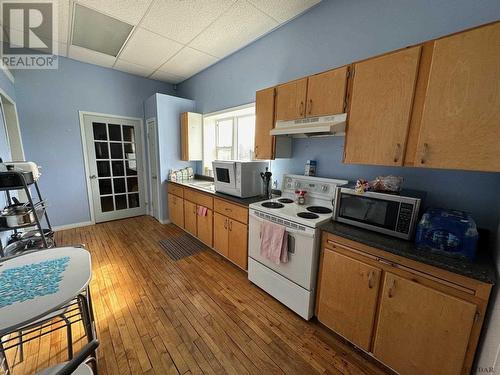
449	232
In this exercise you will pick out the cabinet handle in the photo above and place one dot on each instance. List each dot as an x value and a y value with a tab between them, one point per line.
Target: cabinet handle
310	105
424	153
301	109
231	225
390	292
225	224
397	155
371	279
228	209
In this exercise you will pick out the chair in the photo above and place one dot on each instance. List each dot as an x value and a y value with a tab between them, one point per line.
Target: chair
79	365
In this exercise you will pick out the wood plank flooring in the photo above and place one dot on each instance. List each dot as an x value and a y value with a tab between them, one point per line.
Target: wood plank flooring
198	315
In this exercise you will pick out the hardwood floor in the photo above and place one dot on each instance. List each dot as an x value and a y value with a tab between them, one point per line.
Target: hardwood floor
193	316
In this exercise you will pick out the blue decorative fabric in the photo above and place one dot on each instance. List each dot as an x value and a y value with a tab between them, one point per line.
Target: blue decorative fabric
30	281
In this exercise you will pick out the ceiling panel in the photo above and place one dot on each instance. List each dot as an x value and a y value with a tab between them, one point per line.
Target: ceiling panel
149	49
63	20
183	20
167	77
188	62
283	10
90	57
236	28
130	11
128	67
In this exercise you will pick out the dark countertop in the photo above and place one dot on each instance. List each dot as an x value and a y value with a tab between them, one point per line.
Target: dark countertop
481	269
242	201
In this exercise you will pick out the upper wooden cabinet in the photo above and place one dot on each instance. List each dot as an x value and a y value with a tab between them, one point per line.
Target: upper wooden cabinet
191	136
318	95
291	100
264	123
380	104
343	283
421	330
460	116
326	92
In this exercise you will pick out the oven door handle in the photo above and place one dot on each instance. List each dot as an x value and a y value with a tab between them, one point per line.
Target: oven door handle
287	229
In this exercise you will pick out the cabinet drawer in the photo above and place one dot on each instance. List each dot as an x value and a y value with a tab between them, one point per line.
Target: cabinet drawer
231	210
176	190
199	198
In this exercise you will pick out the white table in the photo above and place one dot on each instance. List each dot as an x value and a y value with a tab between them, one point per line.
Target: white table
75	280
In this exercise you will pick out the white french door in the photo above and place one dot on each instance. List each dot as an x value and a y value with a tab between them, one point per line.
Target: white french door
115	166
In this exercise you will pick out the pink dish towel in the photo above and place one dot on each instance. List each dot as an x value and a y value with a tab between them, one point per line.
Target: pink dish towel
202	211
274	243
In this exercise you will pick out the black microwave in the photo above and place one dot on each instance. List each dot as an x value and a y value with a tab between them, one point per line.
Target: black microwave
388	213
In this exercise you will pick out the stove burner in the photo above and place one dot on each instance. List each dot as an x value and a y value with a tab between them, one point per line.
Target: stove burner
272	205
319	210
285	200
307	215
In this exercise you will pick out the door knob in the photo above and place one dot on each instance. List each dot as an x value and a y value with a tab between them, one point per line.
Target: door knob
154	177
93	177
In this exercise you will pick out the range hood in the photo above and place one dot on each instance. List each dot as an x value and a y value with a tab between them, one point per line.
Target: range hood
312	127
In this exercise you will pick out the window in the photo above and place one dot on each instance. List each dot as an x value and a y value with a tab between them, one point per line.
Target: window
228	135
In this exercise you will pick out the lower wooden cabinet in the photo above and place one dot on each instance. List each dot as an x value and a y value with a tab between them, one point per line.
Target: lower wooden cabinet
412	317
348	294
190	224
176	210
204	228
221	238
421	330
237	243
230	239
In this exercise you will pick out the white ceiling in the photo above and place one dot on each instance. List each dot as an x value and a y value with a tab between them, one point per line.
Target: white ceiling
174	39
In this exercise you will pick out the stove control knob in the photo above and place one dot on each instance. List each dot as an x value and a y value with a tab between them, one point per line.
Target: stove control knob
297	185
324	188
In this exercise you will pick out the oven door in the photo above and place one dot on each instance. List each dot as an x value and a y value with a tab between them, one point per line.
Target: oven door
301	267
225	174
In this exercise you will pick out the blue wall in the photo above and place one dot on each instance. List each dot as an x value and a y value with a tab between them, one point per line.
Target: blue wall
339	32
167	110
48	102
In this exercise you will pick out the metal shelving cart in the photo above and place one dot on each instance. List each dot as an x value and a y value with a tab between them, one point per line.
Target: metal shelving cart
14	180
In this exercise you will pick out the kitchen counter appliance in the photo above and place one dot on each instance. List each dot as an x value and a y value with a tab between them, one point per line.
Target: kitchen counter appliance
239	178
292	283
395	214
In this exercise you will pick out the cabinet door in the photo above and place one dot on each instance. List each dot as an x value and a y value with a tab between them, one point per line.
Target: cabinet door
264	123
176	210
221	230
291	100
190	218
348	297
421	330
460	126
326	93
379	109
205	228
238	243
191	136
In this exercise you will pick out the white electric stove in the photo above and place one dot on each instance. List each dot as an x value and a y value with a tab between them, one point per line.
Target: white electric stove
292	283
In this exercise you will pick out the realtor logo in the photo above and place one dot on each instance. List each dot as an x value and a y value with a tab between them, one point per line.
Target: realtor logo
29	35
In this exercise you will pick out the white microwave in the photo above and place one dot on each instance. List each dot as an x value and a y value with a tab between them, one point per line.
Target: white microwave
239	178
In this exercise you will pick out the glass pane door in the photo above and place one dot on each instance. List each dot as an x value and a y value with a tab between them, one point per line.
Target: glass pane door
114	152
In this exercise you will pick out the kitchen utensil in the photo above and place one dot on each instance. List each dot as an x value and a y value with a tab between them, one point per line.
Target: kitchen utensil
266	177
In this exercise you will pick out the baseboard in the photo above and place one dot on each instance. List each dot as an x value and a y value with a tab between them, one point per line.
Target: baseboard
166	221
72	226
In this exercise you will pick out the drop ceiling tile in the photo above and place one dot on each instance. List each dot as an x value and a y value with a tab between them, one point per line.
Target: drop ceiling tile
188	62
149	49
284	10
63	11
132	68
167	77
239	26
183	20
91	57
130	11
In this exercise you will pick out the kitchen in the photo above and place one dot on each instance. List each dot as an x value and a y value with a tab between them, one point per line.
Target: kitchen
311	252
